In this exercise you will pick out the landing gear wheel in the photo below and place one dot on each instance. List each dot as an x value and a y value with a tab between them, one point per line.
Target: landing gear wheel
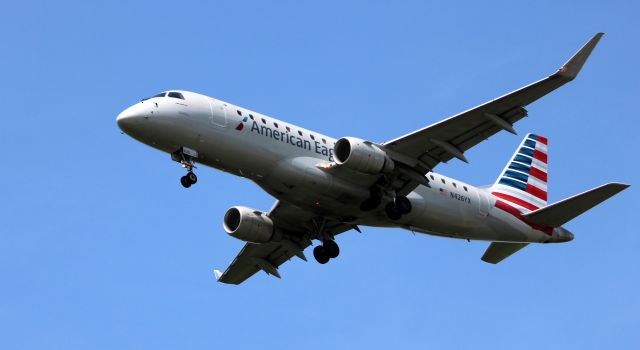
331	248
403	205
185	182
192	178
320	254
392	211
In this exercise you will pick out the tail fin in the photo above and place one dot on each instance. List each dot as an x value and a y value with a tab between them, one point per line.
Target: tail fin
523	182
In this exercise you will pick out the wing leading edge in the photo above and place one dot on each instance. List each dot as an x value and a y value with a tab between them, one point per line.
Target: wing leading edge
424	149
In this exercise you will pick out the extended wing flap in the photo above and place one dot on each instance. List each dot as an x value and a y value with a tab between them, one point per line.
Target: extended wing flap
255	257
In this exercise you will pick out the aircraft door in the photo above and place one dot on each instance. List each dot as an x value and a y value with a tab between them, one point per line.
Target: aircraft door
218	113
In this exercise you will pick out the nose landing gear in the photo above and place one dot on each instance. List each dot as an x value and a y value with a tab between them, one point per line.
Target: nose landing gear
188	179
185	156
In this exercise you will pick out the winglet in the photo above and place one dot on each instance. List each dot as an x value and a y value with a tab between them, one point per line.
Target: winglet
217	273
572	67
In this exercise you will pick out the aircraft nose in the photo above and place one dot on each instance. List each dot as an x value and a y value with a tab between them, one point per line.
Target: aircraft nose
131	117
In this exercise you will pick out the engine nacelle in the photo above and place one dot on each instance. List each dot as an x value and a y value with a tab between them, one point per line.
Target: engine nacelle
362	156
249	225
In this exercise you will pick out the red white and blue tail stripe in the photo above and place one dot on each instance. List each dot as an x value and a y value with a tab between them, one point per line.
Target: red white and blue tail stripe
523	182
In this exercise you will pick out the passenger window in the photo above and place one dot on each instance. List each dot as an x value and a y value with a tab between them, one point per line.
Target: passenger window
454	185
251	116
264	121
465	188
176	95
312	137
443	181
299	132
239	113
275	124
288	128
432	178
324	141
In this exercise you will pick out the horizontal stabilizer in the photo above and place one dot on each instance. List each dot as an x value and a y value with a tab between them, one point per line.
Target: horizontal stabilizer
557	214
498	251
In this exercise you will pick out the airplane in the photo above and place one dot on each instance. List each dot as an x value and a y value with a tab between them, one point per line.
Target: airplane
324	186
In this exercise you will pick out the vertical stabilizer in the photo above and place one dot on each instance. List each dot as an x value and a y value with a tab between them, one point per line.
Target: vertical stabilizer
523	182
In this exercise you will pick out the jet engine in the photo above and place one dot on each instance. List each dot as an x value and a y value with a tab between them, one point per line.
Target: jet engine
249	225
362	156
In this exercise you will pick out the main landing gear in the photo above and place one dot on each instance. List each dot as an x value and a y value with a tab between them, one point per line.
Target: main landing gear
328	250
400	206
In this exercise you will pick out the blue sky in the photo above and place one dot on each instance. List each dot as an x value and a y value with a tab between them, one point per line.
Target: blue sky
101	248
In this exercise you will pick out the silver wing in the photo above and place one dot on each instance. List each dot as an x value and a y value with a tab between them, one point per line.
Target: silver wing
269	256
424	149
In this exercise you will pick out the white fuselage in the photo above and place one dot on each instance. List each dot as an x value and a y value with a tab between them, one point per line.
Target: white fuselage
284	160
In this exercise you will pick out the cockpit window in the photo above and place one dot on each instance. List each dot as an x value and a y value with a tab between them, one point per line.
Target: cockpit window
176	95
158	95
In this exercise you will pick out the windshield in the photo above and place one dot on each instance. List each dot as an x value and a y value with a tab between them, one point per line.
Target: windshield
158	95
176	95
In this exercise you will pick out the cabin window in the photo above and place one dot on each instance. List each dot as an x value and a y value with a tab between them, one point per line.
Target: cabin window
465	188
239	113
264	121
324	141
176	95
432	178
443	181
288	128
251	116
454	185
299	132
275	124
313	137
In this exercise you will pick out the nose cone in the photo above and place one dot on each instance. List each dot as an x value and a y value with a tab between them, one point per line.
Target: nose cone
131	118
